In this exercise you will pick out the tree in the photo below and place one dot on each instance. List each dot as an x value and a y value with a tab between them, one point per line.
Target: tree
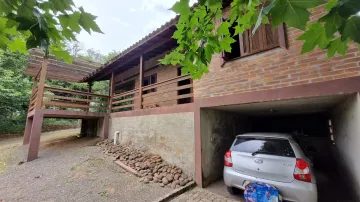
15	89
26	24
198	39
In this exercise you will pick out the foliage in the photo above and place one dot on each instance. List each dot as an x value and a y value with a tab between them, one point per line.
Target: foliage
26	24
15	89
199	38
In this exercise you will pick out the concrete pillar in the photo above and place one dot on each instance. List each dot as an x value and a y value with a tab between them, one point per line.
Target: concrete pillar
35	135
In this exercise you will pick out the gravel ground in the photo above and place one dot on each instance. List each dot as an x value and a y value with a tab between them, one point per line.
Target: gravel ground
68	169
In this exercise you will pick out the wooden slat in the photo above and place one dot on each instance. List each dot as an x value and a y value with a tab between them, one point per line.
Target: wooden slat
154	101
61	90
166	82
42	79
121	107
168	90
117	96
141	79
31	108
71	105
74	99
126	100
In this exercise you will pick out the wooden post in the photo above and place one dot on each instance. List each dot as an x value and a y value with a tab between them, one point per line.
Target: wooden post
39	98
111	91
141	78
90	84
34	143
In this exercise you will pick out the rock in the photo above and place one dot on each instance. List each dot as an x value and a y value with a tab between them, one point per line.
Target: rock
176	182
182	183
173	186
165	181
146	180
177	186
176	176
181	179
162	185
184	176
170	177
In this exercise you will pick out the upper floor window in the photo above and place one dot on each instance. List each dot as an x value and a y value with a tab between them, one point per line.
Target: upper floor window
265	38
149	80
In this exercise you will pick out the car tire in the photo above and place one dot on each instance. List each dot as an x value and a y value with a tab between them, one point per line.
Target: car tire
232	190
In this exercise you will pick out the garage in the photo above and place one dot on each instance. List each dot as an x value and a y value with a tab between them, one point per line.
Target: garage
326	128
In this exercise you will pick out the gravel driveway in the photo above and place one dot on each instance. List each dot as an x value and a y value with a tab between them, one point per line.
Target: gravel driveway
68	169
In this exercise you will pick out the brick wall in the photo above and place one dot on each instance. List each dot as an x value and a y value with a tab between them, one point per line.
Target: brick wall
163	73
276	68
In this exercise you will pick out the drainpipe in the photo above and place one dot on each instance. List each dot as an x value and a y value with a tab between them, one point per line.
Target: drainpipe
116	137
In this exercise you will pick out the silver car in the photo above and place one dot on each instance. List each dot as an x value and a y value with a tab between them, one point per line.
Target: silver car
272	158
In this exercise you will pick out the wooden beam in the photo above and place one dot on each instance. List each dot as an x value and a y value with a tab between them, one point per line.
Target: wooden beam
141	78
71	105
111	91
41	86
116	66
74	92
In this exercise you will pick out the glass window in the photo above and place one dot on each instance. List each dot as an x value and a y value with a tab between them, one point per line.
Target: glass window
270	146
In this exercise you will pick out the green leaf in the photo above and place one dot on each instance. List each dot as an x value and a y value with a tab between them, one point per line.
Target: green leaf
337	46
181	7
314	36
64	55
347	8
333	22
18	45
26	8
223	28
87	22
226	42
331	4
71	21
293	12
352	28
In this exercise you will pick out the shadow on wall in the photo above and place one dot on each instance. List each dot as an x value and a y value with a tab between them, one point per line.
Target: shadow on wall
218	131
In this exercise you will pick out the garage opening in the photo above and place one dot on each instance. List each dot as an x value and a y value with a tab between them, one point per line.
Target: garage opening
322	126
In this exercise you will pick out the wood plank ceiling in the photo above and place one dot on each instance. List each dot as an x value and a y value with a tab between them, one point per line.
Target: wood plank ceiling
59	70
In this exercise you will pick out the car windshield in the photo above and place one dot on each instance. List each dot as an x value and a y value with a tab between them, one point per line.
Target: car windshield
269	146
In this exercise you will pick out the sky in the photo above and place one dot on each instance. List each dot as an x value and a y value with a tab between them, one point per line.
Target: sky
124	22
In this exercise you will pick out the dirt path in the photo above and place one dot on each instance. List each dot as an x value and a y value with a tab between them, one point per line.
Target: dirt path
68	169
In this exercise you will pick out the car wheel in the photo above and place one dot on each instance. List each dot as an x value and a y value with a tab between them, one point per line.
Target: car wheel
233	190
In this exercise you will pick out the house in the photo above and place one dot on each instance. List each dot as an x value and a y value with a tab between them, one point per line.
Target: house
264	84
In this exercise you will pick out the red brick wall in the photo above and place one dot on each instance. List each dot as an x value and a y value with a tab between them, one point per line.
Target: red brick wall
276	68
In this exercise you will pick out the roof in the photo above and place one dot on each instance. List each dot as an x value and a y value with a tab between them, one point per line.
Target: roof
59	70
161	35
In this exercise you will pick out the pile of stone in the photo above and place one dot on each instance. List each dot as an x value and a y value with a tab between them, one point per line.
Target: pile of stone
150	167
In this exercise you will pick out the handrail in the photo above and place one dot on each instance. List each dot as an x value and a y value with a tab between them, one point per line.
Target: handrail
74	92
74	99
126	100
168	90
166	82
38	74
116	96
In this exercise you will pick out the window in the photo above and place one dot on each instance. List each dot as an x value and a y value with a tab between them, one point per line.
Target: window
270	146
149	80
264	39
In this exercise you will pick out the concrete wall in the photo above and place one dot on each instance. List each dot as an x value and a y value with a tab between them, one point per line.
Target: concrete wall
346	118
169	135
218	131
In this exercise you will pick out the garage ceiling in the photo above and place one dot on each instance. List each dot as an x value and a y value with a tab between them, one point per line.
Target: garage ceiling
294	106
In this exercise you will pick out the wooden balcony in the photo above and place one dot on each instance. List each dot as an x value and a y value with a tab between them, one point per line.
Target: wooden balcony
152	96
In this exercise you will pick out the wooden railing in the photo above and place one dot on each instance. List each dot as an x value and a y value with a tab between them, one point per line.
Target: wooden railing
72	99
125	101
154	95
